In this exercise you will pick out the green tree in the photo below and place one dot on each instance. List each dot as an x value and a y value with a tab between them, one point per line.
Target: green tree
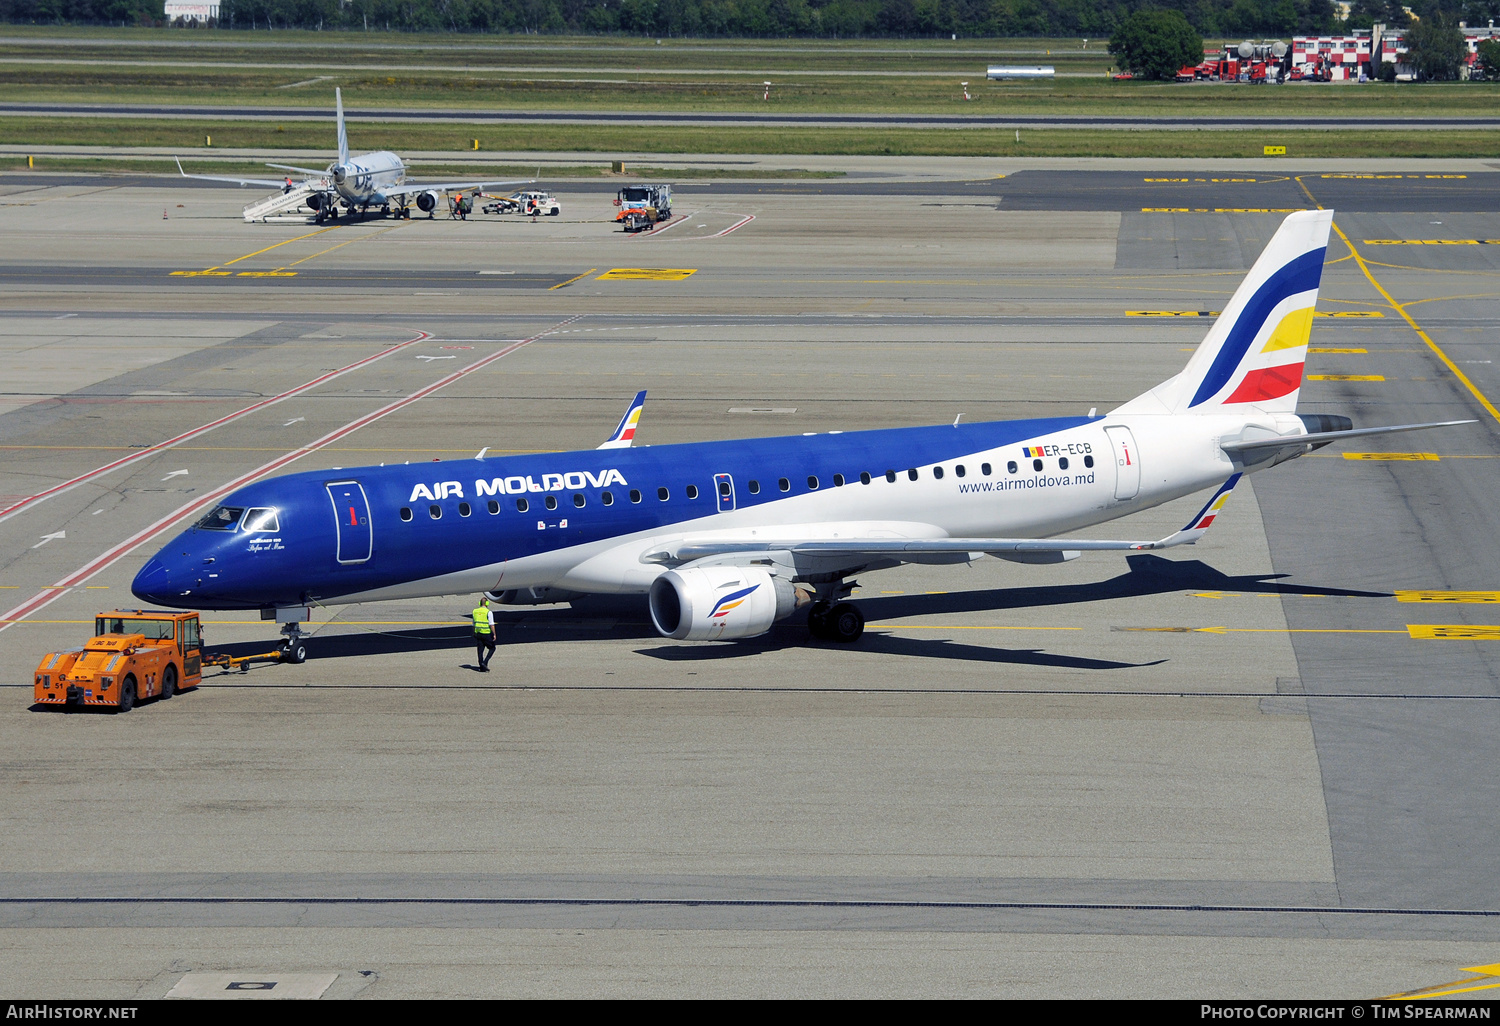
1436	47
1156	43
1489	58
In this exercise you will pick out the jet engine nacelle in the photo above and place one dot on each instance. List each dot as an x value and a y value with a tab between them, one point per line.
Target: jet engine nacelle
317	201
719	603
427	202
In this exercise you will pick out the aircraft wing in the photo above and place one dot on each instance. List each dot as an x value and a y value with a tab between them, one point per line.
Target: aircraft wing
268	183
919	550
407	188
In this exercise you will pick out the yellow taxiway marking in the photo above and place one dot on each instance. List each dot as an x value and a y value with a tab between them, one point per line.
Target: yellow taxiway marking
1346	377
1448	596
1485	973
217	272
1387	456
1329	351
1256	630
570	281
647	273
1400	309
1171	313
1431	242
1453	632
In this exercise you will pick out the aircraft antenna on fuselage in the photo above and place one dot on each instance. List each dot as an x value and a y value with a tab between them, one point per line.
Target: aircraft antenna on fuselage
338	102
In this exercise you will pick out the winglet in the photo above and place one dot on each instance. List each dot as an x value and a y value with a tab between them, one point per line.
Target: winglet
338	100
1198	526
625	433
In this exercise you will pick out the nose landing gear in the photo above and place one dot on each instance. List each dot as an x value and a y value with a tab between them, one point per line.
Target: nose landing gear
293	647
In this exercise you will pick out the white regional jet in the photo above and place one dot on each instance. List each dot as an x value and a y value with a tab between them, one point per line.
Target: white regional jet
363	181
730	537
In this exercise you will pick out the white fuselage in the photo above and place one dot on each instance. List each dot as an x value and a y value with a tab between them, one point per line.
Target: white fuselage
361	180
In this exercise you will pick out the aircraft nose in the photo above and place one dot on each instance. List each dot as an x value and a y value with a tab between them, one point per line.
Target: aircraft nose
154	582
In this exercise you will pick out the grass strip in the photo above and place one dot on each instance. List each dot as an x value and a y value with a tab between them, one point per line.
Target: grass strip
188	137
418	170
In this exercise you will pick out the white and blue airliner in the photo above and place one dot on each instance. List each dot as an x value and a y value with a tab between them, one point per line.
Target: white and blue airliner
728	538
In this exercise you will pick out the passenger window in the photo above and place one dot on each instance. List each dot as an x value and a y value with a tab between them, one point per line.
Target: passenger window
890	475
984	468
522	505
1088	461
959	470
864	477
692	491
937	472
912	473
1062	464
550	502
1011	467
261	520
493	507
635	495
435	511
662	493
812	482
754	487
1036	465
578	499
783	484
406	513
608	498
838	480
724	489
464	509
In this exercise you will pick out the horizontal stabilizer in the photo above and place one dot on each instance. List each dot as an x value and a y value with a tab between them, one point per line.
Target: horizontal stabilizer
300	170
1324	437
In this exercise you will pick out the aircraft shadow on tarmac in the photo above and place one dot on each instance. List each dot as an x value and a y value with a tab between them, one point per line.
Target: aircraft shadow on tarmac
625	617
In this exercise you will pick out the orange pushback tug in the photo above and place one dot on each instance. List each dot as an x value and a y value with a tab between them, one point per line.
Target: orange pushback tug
134	654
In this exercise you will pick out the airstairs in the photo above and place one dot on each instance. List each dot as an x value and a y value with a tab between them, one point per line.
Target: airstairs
286	206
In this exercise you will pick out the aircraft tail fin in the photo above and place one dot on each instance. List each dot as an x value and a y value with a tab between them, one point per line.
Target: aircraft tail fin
624	435
338	101
1254	353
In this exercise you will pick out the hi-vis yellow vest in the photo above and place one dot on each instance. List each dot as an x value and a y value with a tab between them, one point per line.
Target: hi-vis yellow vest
481	620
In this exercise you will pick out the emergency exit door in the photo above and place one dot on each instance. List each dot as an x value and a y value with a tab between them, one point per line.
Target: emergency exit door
724	489
1127	462
351	511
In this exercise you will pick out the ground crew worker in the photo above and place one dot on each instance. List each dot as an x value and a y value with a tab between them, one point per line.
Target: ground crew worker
484	634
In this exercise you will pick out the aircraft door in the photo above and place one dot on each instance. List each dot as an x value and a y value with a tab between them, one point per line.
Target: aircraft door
1127	462
351	511
724	488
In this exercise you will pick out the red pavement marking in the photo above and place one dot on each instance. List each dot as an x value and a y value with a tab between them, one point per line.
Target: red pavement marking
118	551
32	500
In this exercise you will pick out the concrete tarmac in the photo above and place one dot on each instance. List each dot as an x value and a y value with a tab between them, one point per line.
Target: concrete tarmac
1258	767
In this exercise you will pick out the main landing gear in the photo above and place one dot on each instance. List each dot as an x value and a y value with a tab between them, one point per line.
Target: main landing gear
833	619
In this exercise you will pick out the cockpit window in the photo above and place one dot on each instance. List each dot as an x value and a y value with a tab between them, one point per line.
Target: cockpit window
223	518
261	520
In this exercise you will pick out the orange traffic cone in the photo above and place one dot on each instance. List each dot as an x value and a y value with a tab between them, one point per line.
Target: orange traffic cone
163	213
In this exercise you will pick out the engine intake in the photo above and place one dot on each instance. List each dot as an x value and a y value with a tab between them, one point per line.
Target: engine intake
720	603
427	202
